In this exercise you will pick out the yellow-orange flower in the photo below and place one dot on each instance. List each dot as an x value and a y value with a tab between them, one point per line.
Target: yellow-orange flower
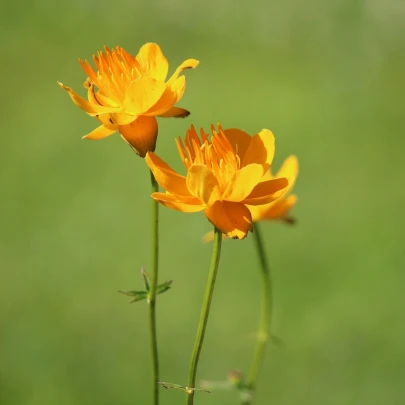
132	92
279	209
225	174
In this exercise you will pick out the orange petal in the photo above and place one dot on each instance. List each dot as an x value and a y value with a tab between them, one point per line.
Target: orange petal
141	134
90	108
101	132
171	201
240	141
187	64
167	178
203	184
142	94
267	191
153	62
176	112
130	61
89	71
231	218
261	149
243	183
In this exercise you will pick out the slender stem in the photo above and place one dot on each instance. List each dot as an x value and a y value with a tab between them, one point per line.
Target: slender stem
152	293
205	310
263	333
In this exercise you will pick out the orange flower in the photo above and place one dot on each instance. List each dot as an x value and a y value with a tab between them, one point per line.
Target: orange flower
224	176
132	92
280	208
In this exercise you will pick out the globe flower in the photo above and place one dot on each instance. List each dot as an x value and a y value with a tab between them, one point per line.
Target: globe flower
132	92
225	175
278	209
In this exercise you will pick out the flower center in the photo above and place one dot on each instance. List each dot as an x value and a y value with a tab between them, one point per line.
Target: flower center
217	155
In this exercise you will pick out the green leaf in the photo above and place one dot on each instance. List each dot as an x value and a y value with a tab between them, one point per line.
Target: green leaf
132	293
161	288
146	279
181	387
138	295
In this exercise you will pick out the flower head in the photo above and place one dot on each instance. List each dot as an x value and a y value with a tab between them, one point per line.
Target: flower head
225	174
281	207
132	92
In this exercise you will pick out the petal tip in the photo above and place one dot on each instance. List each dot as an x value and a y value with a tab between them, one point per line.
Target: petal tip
190	64
185	114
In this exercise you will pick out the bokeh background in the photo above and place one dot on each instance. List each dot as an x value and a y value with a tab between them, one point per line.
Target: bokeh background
328	79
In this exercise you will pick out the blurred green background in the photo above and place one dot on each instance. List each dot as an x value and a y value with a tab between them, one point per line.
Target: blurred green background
328	79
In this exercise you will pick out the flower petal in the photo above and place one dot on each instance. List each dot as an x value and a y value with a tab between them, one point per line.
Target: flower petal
289	168
142	94
258	211
240	141
90	108
281	207
261	149
178	87
276	210
141	134
175	112
203	184
101	132
167	178
153	62
231	218
267	191
174	203
187	64
119	118
244	181
98	98
164	104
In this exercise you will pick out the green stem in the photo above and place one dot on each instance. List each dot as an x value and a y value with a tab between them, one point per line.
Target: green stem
263	333
152	293
205	310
